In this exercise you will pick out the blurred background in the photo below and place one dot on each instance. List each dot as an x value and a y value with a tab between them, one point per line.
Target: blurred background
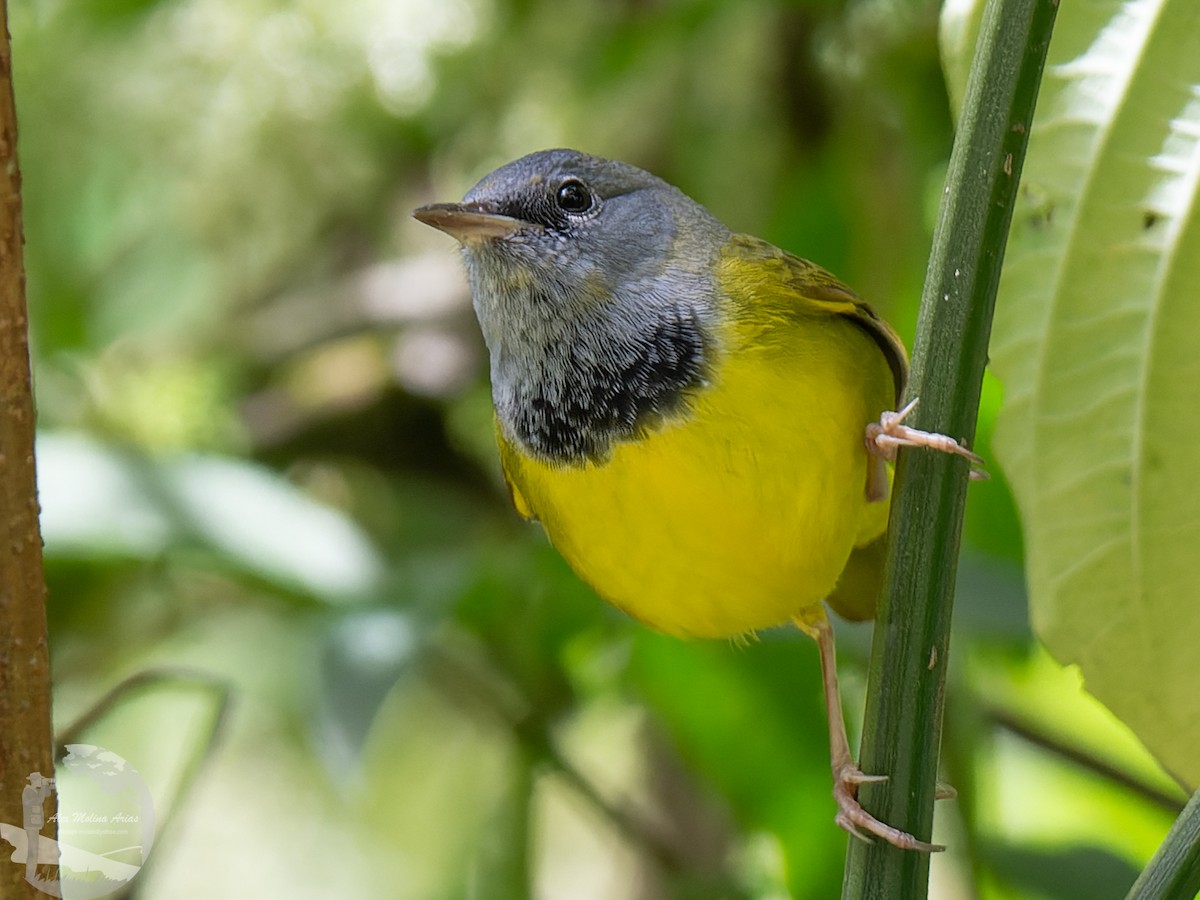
269	483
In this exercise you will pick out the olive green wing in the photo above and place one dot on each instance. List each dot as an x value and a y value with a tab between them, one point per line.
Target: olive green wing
856	596
809	288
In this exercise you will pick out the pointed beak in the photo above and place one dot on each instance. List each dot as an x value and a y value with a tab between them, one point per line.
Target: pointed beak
468	222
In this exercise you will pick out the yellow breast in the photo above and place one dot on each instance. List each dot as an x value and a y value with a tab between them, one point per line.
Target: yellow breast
743	511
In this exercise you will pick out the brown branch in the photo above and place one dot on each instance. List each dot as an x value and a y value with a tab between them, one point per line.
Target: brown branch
1171	801
25	728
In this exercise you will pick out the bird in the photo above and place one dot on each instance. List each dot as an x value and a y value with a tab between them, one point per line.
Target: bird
701	422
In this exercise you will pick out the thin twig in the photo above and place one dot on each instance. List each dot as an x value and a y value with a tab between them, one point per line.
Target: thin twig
1171	801
141	682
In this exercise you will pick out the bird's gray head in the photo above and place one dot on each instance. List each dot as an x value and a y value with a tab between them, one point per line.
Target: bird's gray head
593	284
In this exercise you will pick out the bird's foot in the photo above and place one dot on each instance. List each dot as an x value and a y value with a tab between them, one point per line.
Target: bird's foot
885	437
854	819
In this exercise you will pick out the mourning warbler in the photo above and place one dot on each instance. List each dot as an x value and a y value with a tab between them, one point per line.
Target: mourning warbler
699	420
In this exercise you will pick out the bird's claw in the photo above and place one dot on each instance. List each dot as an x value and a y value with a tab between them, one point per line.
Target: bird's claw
855	820
853	775
885	437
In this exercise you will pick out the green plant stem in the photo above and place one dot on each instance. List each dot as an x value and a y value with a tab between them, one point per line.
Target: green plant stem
906	687
1174	872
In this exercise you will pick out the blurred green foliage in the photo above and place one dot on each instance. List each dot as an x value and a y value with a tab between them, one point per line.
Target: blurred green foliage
266	454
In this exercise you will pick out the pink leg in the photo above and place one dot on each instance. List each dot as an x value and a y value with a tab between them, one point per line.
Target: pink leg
847	776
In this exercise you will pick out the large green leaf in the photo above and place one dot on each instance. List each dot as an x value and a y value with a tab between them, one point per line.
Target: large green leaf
1096	335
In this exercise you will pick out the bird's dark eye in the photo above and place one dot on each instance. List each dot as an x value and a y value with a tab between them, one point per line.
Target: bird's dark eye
574	197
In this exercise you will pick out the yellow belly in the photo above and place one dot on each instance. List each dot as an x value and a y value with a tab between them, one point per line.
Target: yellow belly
740	514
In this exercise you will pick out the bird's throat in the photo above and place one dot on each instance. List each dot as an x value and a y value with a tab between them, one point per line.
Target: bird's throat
567	388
